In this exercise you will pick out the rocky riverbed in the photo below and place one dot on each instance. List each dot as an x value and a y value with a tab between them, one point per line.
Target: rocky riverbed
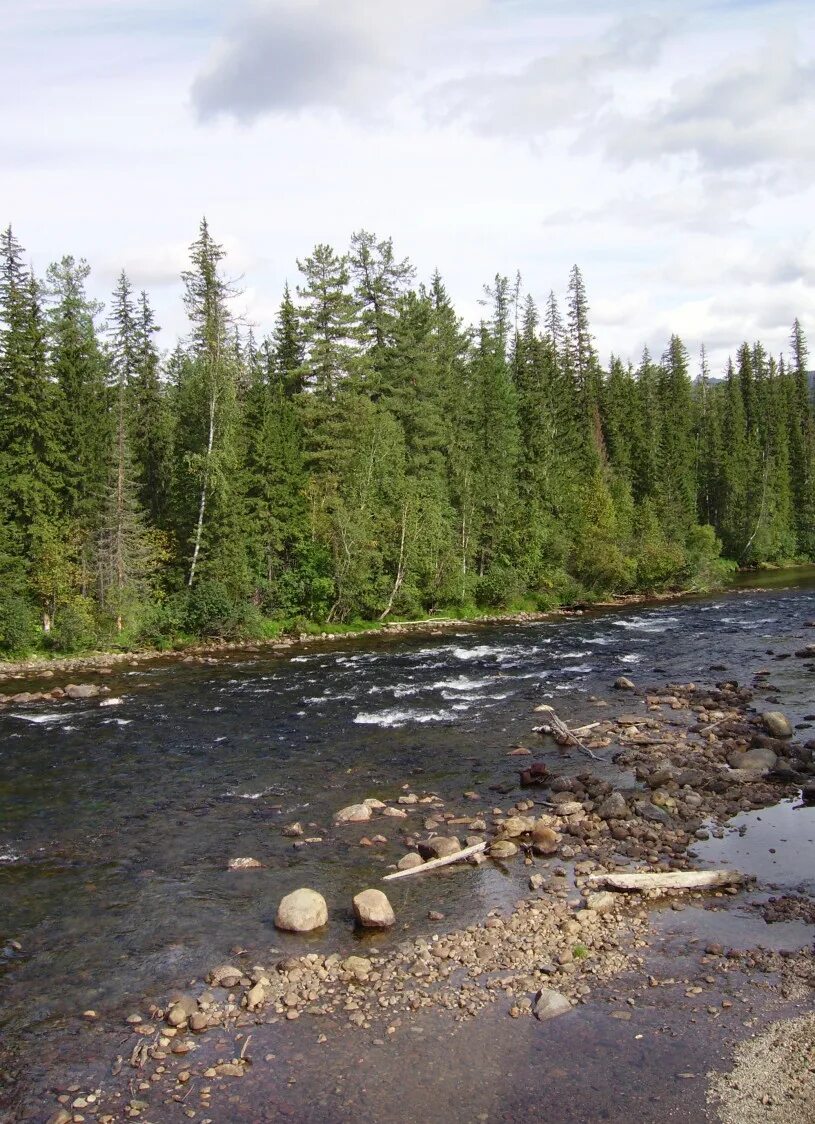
697	756
142	976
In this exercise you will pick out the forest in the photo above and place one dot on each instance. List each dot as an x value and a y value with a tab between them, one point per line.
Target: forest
370	458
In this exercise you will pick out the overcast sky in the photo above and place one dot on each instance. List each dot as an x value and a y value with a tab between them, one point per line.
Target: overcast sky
667	147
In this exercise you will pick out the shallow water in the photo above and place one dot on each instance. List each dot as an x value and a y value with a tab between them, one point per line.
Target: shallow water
117	820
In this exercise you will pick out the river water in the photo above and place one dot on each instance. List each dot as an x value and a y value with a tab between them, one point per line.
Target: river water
117	820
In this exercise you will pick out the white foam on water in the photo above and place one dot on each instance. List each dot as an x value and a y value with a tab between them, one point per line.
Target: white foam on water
458	696
117	721
398	690
598	640
632	657
579	669
646	624
462	683
482	652
573	655
392	718
40	719
111	702
9	856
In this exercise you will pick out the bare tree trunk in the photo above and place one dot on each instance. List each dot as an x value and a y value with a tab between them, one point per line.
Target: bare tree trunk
199	527
400	569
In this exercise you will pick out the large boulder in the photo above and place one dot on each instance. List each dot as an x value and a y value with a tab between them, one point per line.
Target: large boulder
82	691
760	760
373	910
410	861
549	1004
545	839
515	826
439	846
602	901
354	813
301	911
614	807
623	683
777	724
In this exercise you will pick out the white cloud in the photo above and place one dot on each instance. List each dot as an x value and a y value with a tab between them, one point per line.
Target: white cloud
755	111
667	156
286	55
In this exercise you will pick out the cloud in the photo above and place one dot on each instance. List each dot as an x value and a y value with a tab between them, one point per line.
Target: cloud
757	111
563	88
282	56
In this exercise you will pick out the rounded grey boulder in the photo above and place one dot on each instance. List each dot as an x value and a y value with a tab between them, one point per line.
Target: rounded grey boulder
373	910
301	911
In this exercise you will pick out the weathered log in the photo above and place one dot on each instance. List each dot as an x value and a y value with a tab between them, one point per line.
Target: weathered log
668	880
560	727
434	864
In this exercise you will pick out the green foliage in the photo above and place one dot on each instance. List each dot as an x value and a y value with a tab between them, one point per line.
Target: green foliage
370	458
18	625
75	628
499	588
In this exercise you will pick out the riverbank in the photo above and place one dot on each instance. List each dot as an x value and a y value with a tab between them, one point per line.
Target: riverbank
698	756
44	667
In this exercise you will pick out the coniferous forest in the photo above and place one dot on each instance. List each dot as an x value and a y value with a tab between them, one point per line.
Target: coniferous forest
370	457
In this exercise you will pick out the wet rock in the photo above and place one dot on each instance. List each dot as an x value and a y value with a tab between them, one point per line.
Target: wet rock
178	1015
410	861
808	793
570	808
301	911
545	840
515	826
199	1021
61	1116
623	683
776	724
358	966
503	849
439	846
614	807
354	813
82	691
293	830
229	1069
226	975
601	902
395	813
549	1004
760	760
651	812
255	997
373	910
244	864
535	774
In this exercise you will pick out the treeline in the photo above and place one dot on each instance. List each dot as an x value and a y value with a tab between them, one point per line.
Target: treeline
372	456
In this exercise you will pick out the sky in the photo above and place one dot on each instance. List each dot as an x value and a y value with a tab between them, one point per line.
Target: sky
667	148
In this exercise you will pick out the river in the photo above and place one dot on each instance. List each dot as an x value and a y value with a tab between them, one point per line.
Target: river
117	820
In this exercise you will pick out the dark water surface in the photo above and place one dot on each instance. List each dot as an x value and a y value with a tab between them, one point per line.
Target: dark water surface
117	820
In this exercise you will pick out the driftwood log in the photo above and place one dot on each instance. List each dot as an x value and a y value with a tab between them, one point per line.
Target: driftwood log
668	880
434	864
559	727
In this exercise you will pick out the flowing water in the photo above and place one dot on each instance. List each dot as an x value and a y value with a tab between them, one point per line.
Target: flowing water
117	820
